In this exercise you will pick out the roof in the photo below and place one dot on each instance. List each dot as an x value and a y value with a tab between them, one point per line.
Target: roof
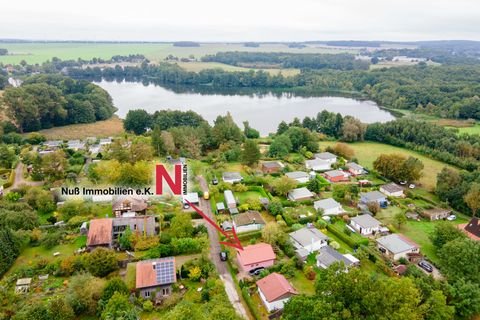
366	221
306	236
256	253
142	223
354	166
229	198
396	243
231	176
335	173
247	218
220	206
275	286
325	156
328	256
392	187
129	203
24	281
155	272
297	175
272	164
326	204
317	162
372	195
100	232
300	193
192	197
473	227
436	211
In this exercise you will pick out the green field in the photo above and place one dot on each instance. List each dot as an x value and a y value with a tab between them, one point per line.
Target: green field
367	152
40	52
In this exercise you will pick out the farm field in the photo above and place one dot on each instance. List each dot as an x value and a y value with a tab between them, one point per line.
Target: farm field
197	66
367	152
40	52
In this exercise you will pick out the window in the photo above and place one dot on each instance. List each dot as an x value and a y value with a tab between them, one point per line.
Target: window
147	294
165	291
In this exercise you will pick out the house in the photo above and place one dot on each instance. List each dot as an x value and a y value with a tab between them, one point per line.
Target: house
230	199
392	190
275	291
373	196
299	176
272	167
328	256
300	194
232	177
318	165
436	213
365	224
144	225
336	176
472	229
248	221
100	233
220	207
326	156
76	145
154	278
192	197
329	206
227	226
53	144
396	246
124	204
355	169
23	285
105	141
255	256
307	240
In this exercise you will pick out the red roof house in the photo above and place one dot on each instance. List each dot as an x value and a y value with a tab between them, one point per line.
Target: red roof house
256	256
100	233
336	176
275	290
155	277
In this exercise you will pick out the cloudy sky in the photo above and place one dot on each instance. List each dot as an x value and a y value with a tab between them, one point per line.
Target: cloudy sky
253	20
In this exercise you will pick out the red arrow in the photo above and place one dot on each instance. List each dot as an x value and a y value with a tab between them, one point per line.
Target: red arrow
232	241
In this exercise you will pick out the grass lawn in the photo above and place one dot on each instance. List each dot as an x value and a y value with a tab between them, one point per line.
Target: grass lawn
100	129
244	196
470	130
302	284
197	66
367	152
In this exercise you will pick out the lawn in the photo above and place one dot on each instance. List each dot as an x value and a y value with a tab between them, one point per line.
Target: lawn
367	152
197	66
470	130
244	196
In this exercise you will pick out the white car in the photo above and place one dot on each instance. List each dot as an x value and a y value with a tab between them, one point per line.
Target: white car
403	183
412	186
451	217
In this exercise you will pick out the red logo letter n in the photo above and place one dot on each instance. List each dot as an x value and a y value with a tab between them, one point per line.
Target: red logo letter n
175	186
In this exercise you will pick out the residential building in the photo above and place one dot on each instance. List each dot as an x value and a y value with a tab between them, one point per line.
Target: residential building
307	240
76	145
154	278
318	165
272	167
329	206
355	169
396	246
300	194
192	197
144	225
220	207
124	204
336	176
472	229
436	213
248	221
365	224
256	256
328	256
392	190
373	196
326	156
232	177
299	176
100	233
52	144
274	291
229	199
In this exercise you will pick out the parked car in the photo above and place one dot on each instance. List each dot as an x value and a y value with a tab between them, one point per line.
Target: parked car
215	181
256	272
223	255
451	217
206	195
411	186
425	266
403	183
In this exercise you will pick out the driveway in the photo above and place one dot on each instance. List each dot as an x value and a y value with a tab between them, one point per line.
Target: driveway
435	274
215	249
20	180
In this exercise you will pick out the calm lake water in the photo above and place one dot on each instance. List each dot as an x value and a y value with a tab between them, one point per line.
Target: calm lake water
263	111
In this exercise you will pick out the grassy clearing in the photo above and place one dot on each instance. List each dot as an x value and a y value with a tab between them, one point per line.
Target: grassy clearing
470	130
106	128
197	66
400	63
367	152
302	284
244	196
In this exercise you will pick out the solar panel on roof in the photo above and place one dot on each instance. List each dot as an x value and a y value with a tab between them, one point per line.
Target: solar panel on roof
165	272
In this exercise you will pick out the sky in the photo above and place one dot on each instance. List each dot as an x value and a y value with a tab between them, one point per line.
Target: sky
245	20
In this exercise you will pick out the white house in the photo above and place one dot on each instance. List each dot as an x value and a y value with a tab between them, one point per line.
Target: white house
392	190
326	156
318	165
248	221
232	177
365	224
299	194
355	169
299	176
328	256
230	199
329	206
396	246
275	291
307	240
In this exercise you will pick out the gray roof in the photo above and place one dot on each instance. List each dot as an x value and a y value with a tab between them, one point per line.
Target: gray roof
366	221
231	176
220	206
391	187
229	198
326	204
325	156
335	173
372	195
272	164
306	236
300	193
247	218
142	223
297	175
354	166
328	256
396	243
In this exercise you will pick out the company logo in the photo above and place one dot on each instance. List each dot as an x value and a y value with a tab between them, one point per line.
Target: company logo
176	181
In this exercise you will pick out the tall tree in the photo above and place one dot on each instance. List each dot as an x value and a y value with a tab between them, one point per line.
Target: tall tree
251	152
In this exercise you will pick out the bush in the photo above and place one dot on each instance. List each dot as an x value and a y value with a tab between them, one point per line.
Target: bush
345	238
101	261
11	180
147	306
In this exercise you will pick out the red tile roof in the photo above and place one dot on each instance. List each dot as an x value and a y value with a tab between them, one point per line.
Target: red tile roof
275	286
256	253
100	232
148	276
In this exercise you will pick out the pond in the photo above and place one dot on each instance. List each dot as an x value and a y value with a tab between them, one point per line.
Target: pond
264	111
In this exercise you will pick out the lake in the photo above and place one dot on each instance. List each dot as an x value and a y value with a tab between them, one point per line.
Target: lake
263	111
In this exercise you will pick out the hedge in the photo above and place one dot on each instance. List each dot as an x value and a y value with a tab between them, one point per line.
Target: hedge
250	303
11	180
260	190
346	238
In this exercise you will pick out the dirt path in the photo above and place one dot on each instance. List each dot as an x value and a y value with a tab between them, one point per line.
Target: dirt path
20	180
215	249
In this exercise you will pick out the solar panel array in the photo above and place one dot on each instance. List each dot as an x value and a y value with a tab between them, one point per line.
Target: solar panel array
165	271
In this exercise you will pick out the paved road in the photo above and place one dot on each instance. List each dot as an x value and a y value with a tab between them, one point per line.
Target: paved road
215	249
20	180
